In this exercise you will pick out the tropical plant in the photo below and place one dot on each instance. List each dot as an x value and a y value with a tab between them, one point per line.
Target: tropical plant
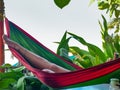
94	55
110	41
15	78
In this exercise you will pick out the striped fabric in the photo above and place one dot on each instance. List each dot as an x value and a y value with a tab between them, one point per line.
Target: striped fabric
78	77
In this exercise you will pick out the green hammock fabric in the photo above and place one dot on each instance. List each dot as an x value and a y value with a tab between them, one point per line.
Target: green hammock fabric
100	74
34	46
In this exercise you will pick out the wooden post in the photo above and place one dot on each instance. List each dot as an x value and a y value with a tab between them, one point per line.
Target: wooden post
1	33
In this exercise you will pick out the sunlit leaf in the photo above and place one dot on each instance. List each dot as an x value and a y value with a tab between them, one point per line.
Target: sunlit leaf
103	5
113	22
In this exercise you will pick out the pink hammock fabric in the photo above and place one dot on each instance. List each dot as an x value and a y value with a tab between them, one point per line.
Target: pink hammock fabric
81	77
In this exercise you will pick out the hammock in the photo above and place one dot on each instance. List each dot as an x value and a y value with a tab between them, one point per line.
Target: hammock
78	77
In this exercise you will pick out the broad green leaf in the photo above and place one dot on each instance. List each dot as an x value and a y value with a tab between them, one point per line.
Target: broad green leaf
94	50
108	50
14	75
28	83
44	87
6	82
63	43
19	69
78	50
80	39
103	32
4	89
117	43
83	63
33	82
62	3
96	61
20	83
6	66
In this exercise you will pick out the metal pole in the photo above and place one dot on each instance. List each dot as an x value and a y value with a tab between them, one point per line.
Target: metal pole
1	33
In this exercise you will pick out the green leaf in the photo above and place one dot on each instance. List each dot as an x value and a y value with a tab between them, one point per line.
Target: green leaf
6	66
94	50
113	22
96	61
20	83
91	2
33	82
117	43
62	3
19	69
6	82
76	50
103	5
80	39
112	9
83	63
118	1
108	48
28	83
14	75
63	43
117	13
105	23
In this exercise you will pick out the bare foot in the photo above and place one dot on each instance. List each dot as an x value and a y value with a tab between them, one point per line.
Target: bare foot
48	71
10	43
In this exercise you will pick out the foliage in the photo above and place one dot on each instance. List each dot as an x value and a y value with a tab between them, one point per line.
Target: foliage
112	6
15	78
94	55
110	42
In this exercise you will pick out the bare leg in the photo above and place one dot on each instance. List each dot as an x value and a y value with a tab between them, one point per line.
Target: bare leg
36	60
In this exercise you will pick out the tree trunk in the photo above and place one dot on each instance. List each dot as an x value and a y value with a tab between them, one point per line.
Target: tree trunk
1	33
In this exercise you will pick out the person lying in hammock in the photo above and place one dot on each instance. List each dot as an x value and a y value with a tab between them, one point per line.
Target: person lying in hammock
39	62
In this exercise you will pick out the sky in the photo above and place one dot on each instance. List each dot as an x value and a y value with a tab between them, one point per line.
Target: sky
47	23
